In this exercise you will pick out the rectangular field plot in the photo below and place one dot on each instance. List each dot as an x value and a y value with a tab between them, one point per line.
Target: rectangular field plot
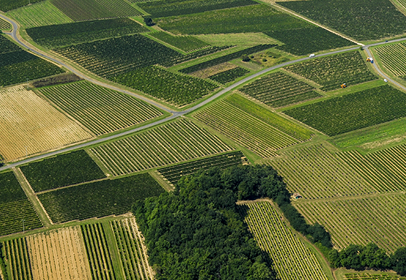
185	43
98	199
229	75
99	109
278	89
17	257
174	173
7	5
353	111
291	258
62	170
380	219
393	58
167	144
372	276
332	71
315	173
30	125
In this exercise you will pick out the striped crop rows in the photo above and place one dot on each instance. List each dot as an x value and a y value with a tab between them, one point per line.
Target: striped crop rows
379	219
11	214
100	109
170	143
245	129
131	249
314	172
16	253
291	259
393	58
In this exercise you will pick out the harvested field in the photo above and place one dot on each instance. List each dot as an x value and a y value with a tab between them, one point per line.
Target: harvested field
205	73
29	125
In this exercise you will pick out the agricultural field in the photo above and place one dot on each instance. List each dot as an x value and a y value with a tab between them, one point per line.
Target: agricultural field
291	258
393	58
170	87
171	143
98	252
316	173
81	32
17	256
175	172
244	129
380	219
14	206
82	10
7	5
39	14
353	111
99	109
185	43
164	8
4	25
6	46
332	71
62	170
131	249
108	197
372	276
354	17
279	89
30	125
229	75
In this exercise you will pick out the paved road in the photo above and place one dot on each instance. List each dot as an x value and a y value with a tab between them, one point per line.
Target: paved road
174	113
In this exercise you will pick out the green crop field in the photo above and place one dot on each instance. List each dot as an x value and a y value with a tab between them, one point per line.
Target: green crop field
175	172
165	8
185	43
393	58
316	173
14	206
170	87
332	71
291	258
16	253
80	32
39	14
379	219
372	276
4	25
99	109
354	17
98	199
63	170
81	10
174	142
229	75
6	46
279	89
353	111
7	5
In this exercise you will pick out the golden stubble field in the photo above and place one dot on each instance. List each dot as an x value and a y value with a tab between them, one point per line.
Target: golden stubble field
30	125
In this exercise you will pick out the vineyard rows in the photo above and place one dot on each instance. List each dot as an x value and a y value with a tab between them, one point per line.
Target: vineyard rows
279	89
131	249
291	259
174	173
99	109
167	144
17	256
315	173
332	71
185	43
229	75
380	219
393	57
6	46
98	252
4	25
372	276
6	5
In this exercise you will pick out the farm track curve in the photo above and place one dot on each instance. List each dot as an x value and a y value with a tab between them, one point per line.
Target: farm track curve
175	114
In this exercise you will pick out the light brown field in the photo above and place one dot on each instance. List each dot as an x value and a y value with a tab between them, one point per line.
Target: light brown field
205	73
239	39
58	254
29	125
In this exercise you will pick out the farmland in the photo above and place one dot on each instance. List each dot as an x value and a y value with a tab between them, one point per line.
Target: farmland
279	89
372	276
393	58
7	46
379	219
173	142
4	25
185	43
353	111
174	173
99	109
332	71
108	197
229	75
164	85
291	259
7	5
316	173
82	10
81	32
30	125
62	170
354	17
39	14
16	253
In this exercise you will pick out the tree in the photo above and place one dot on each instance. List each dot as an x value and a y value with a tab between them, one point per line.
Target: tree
399	261
245	58
148	21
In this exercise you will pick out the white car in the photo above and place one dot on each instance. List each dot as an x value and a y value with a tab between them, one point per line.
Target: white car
312	55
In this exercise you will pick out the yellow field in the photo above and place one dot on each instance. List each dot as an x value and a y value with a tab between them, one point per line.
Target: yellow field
58	254
29	125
